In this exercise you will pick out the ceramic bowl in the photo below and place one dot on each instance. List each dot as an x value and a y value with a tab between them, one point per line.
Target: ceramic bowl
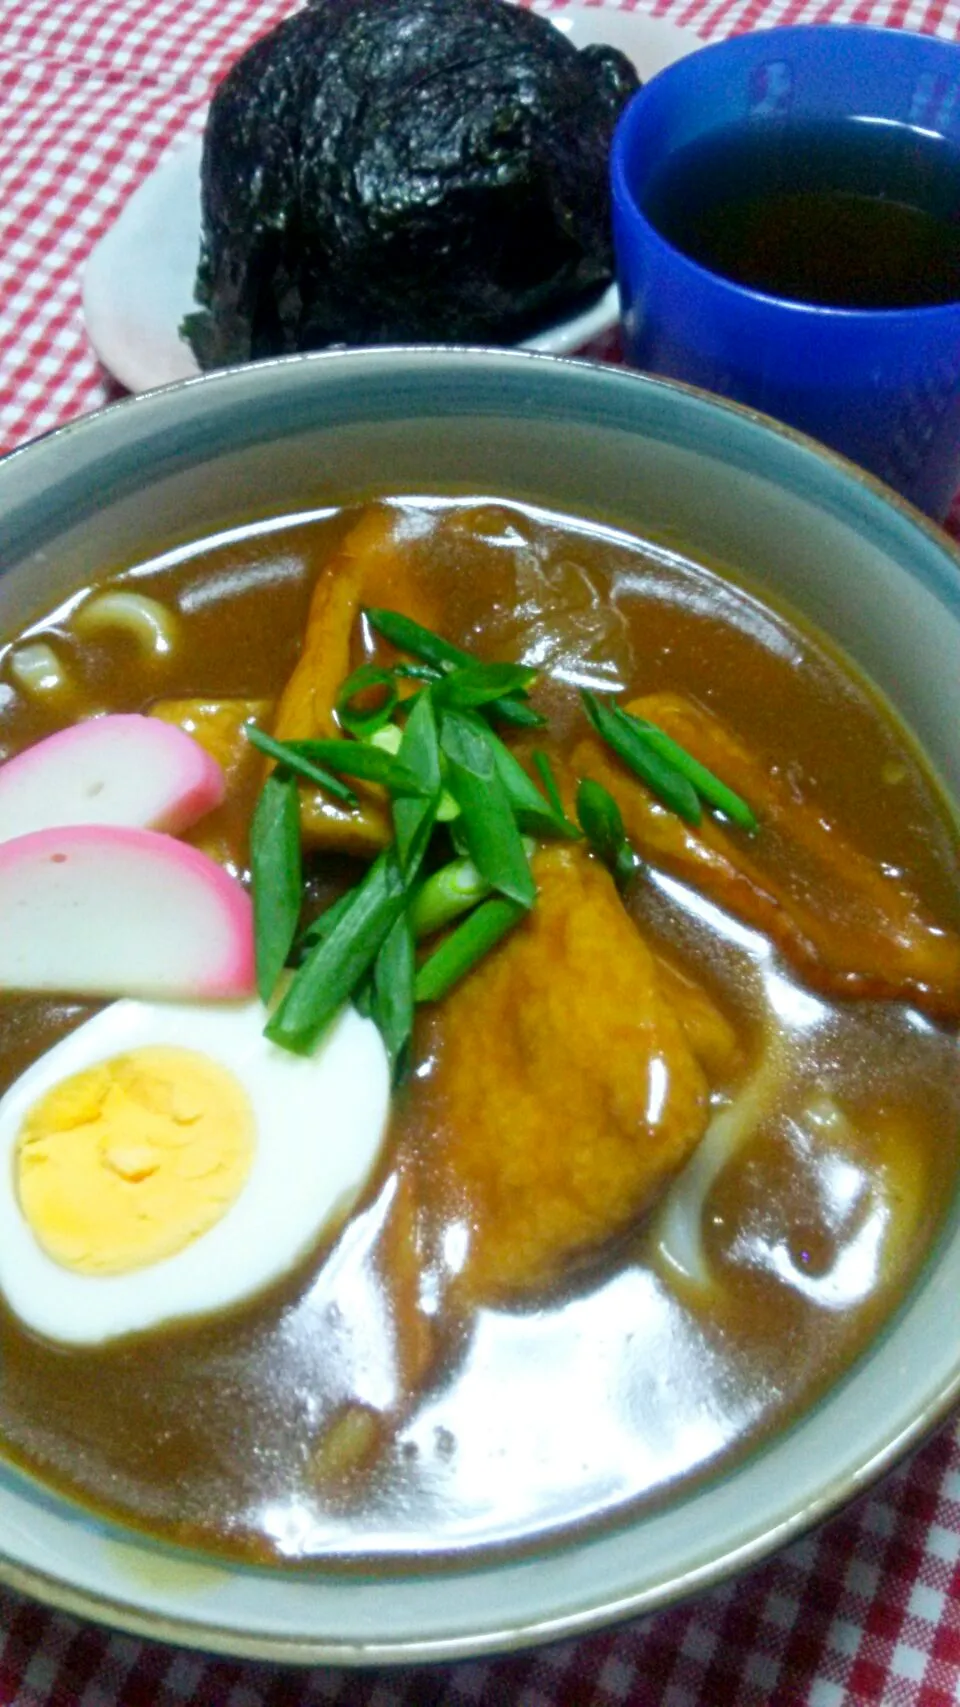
661	460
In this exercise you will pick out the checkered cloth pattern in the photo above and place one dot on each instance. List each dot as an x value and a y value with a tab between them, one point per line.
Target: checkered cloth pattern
867	1610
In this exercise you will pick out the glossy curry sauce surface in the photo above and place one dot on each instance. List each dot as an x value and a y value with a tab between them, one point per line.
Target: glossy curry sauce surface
369	1408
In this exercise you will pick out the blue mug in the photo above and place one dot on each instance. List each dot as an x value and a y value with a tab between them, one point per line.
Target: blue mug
881	385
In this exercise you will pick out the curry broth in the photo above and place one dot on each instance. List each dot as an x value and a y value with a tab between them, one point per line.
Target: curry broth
361	1411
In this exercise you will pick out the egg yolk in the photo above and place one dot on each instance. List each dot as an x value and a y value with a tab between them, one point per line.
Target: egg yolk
131	1160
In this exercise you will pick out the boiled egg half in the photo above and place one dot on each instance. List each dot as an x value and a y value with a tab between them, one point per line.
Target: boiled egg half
166	1160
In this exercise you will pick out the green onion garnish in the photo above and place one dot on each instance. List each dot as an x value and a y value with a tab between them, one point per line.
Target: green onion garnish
277	878
387	738
285	753
602	825
447	808
532	812
410	636
366	681
393	976
488	824
419	753
457	837
668	769
356	758
660	775
479	684
334	967
446	895
516	712
440	759
319	928
548	778
418	672
461	950
708	786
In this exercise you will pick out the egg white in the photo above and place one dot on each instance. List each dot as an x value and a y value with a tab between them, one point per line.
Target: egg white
319	1124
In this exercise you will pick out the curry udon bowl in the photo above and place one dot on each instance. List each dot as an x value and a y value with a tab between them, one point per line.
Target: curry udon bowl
707	483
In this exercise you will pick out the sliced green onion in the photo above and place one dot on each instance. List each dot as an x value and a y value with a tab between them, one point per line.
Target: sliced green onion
360	759
517	712
548	778
390	738
531	811
277	880
409	636
285	753
446	895
413	818
479	933
418	672
489	827
387	738
708	786
360	685
393	976
447	808
334	967
602	825
319	928
457	837
478	684
413	831
449	893
660	776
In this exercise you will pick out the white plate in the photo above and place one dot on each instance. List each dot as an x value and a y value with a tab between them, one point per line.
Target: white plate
138	283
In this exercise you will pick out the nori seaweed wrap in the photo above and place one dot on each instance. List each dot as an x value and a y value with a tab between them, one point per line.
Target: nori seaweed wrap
380	171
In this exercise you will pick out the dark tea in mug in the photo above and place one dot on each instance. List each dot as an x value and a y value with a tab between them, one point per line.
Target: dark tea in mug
845	213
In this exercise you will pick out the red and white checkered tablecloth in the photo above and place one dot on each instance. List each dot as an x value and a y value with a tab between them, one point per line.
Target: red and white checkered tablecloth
866	1611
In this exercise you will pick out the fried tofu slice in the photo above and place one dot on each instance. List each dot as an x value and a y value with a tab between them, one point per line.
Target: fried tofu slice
712	1038
563	1093
848	927
369	568
219	725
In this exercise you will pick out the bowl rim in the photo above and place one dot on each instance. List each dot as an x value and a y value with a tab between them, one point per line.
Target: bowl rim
66	432
737	1556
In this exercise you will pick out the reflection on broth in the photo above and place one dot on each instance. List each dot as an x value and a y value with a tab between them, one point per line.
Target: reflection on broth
664	1158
